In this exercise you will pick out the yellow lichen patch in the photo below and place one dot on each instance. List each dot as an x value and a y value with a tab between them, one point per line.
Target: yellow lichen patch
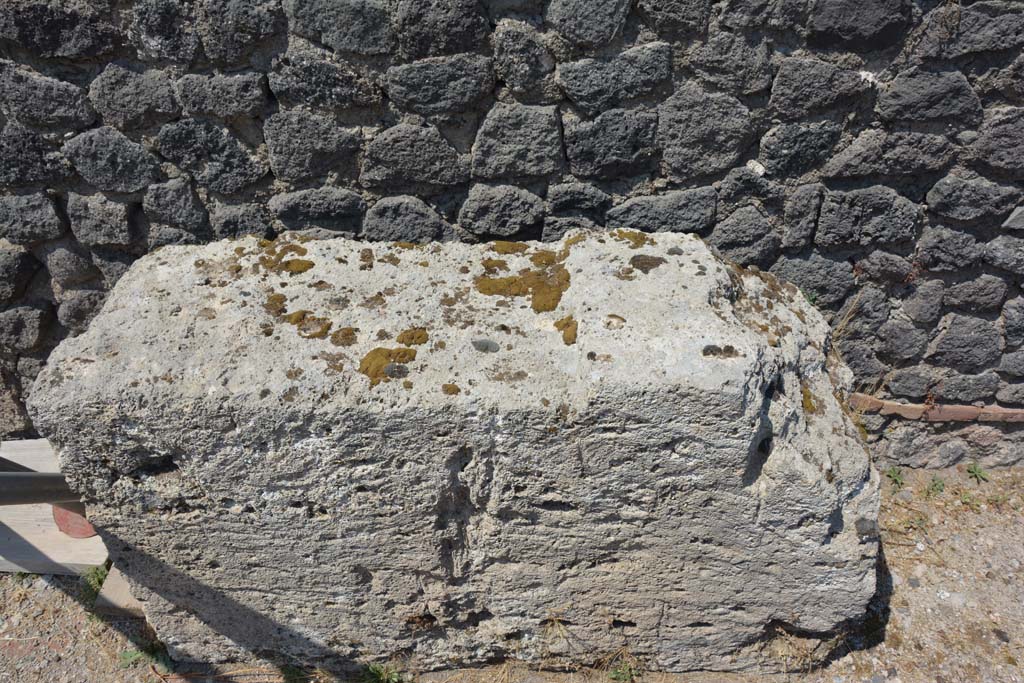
275	304
568	327
315	328
375	363
366	259
543	258
296	266
407	385
296	317
545	287
346	336
413	336
811	404
502	247
407	245
495	265
635	238
390	259
451	389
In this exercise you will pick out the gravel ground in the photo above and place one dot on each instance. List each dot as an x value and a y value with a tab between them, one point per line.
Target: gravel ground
954	612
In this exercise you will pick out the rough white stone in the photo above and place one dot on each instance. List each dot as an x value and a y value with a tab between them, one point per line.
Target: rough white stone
680	479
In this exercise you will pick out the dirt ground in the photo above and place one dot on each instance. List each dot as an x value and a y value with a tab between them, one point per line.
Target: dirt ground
952	611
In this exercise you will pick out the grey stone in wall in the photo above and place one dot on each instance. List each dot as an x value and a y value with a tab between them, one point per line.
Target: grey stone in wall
619	142
748	237
966	343
231	29
431	28
980	27
308	78
78	307
922	95
900	340
959	388
578	199
864	25
359	26
407	157
873	215
96	220
587	23
676	16
795	148
236	220
596	85
733	62
22	328
982	294
1000	143
175	204
440	85
875	152
521	59
1015	220
501	210
27	219
403	219
518	141
701	132
39	100
222	95
128	99
943	249
71	29
676	211
967	197
330	209
66	261
164	30
881	266
303	145
828	280
17	266
924	303
1006	252
216	158
805	86
1013	321
27	158
801	215
110	161
111	262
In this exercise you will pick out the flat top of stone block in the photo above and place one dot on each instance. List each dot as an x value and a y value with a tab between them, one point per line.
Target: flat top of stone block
512	324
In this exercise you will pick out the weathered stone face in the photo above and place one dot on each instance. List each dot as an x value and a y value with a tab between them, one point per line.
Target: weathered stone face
341	451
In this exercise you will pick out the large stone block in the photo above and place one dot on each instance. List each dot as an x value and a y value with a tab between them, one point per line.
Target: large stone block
330	452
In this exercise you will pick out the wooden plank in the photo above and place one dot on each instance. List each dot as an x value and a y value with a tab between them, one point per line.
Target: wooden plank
29	539
116	598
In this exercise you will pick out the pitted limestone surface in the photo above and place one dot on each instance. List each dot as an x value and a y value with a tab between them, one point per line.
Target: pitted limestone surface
459	453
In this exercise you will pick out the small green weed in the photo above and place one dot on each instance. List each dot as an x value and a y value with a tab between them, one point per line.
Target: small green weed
936	486
895	476
812	298
381	673
625	672
975	472
152	654
93	579
968	500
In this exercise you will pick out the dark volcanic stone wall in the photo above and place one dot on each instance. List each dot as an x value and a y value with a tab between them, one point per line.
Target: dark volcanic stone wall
871	151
